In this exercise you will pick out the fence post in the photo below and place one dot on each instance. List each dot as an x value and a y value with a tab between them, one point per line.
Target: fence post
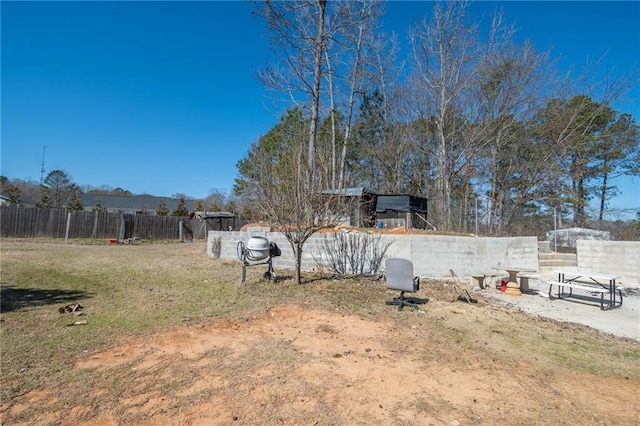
95	225
66	232
121	233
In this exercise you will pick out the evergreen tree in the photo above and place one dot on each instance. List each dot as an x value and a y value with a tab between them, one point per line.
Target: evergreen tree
162	209
74	199
100	207
13	193
181	208
45	199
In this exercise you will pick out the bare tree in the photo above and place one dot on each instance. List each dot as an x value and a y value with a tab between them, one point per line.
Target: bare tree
356	41
446	54
216	200
298	38
274	174
510	85
380	146
278	173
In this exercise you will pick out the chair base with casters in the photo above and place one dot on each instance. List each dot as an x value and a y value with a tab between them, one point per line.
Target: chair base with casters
402	301
399	276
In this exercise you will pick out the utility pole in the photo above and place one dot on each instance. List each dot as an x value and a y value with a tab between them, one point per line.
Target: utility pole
42	167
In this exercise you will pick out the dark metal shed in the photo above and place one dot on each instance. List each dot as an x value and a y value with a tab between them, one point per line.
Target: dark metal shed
401	203
402	210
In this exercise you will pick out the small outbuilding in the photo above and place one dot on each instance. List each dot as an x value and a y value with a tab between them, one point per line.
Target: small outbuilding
217	221
402	210
363	201
373	209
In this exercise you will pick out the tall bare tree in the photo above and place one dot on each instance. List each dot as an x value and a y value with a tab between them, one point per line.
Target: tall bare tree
298	39
446	53
510	88
356	41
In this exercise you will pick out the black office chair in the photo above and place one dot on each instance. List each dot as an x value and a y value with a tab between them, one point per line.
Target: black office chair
399	276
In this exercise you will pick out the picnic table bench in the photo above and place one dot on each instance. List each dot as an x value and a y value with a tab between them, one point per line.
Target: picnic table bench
592	282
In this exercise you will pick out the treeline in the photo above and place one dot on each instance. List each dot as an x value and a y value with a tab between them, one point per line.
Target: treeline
488	129
58	191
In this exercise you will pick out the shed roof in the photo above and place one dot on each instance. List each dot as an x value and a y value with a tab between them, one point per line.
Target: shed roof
401	203
351	192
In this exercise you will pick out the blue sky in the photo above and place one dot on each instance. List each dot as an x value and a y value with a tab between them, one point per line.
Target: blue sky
162	98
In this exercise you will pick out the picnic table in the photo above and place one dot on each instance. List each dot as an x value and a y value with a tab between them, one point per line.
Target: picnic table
593	282
513	287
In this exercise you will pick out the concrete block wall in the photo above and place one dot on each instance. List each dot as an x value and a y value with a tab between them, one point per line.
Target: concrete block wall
437	255
432	255
611	257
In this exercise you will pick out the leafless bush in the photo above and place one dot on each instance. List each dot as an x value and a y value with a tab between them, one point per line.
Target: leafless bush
357	254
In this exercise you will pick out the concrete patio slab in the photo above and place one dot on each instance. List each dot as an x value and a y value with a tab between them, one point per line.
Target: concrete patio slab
623	321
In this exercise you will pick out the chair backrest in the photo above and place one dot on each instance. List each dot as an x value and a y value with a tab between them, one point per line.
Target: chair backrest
399	274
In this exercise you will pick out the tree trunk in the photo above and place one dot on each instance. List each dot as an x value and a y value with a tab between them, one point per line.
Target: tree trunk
332	109
581	202
317	76
603	192
297	252
350	106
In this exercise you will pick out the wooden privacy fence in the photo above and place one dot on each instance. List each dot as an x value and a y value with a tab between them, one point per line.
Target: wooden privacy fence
27	222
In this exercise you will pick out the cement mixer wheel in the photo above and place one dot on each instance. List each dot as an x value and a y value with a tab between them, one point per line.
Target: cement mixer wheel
269	276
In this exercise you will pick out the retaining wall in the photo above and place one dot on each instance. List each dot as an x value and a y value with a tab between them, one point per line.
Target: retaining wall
433	256
611	257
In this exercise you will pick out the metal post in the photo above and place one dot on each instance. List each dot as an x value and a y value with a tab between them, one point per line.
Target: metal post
95	225
555	230
66	234
122	228
476	216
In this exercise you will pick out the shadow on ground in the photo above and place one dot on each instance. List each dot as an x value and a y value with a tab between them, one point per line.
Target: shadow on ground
13	299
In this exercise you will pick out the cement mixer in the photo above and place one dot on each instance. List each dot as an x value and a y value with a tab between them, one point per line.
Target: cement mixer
258	251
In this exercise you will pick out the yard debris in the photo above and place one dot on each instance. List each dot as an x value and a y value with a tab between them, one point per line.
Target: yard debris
82	322
459	290
74	307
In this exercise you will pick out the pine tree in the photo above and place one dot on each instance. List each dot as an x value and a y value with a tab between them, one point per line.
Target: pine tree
13	193
74	199
162	209
100	207
181	208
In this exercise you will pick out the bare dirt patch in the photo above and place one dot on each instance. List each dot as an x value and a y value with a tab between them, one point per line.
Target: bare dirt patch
298	365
